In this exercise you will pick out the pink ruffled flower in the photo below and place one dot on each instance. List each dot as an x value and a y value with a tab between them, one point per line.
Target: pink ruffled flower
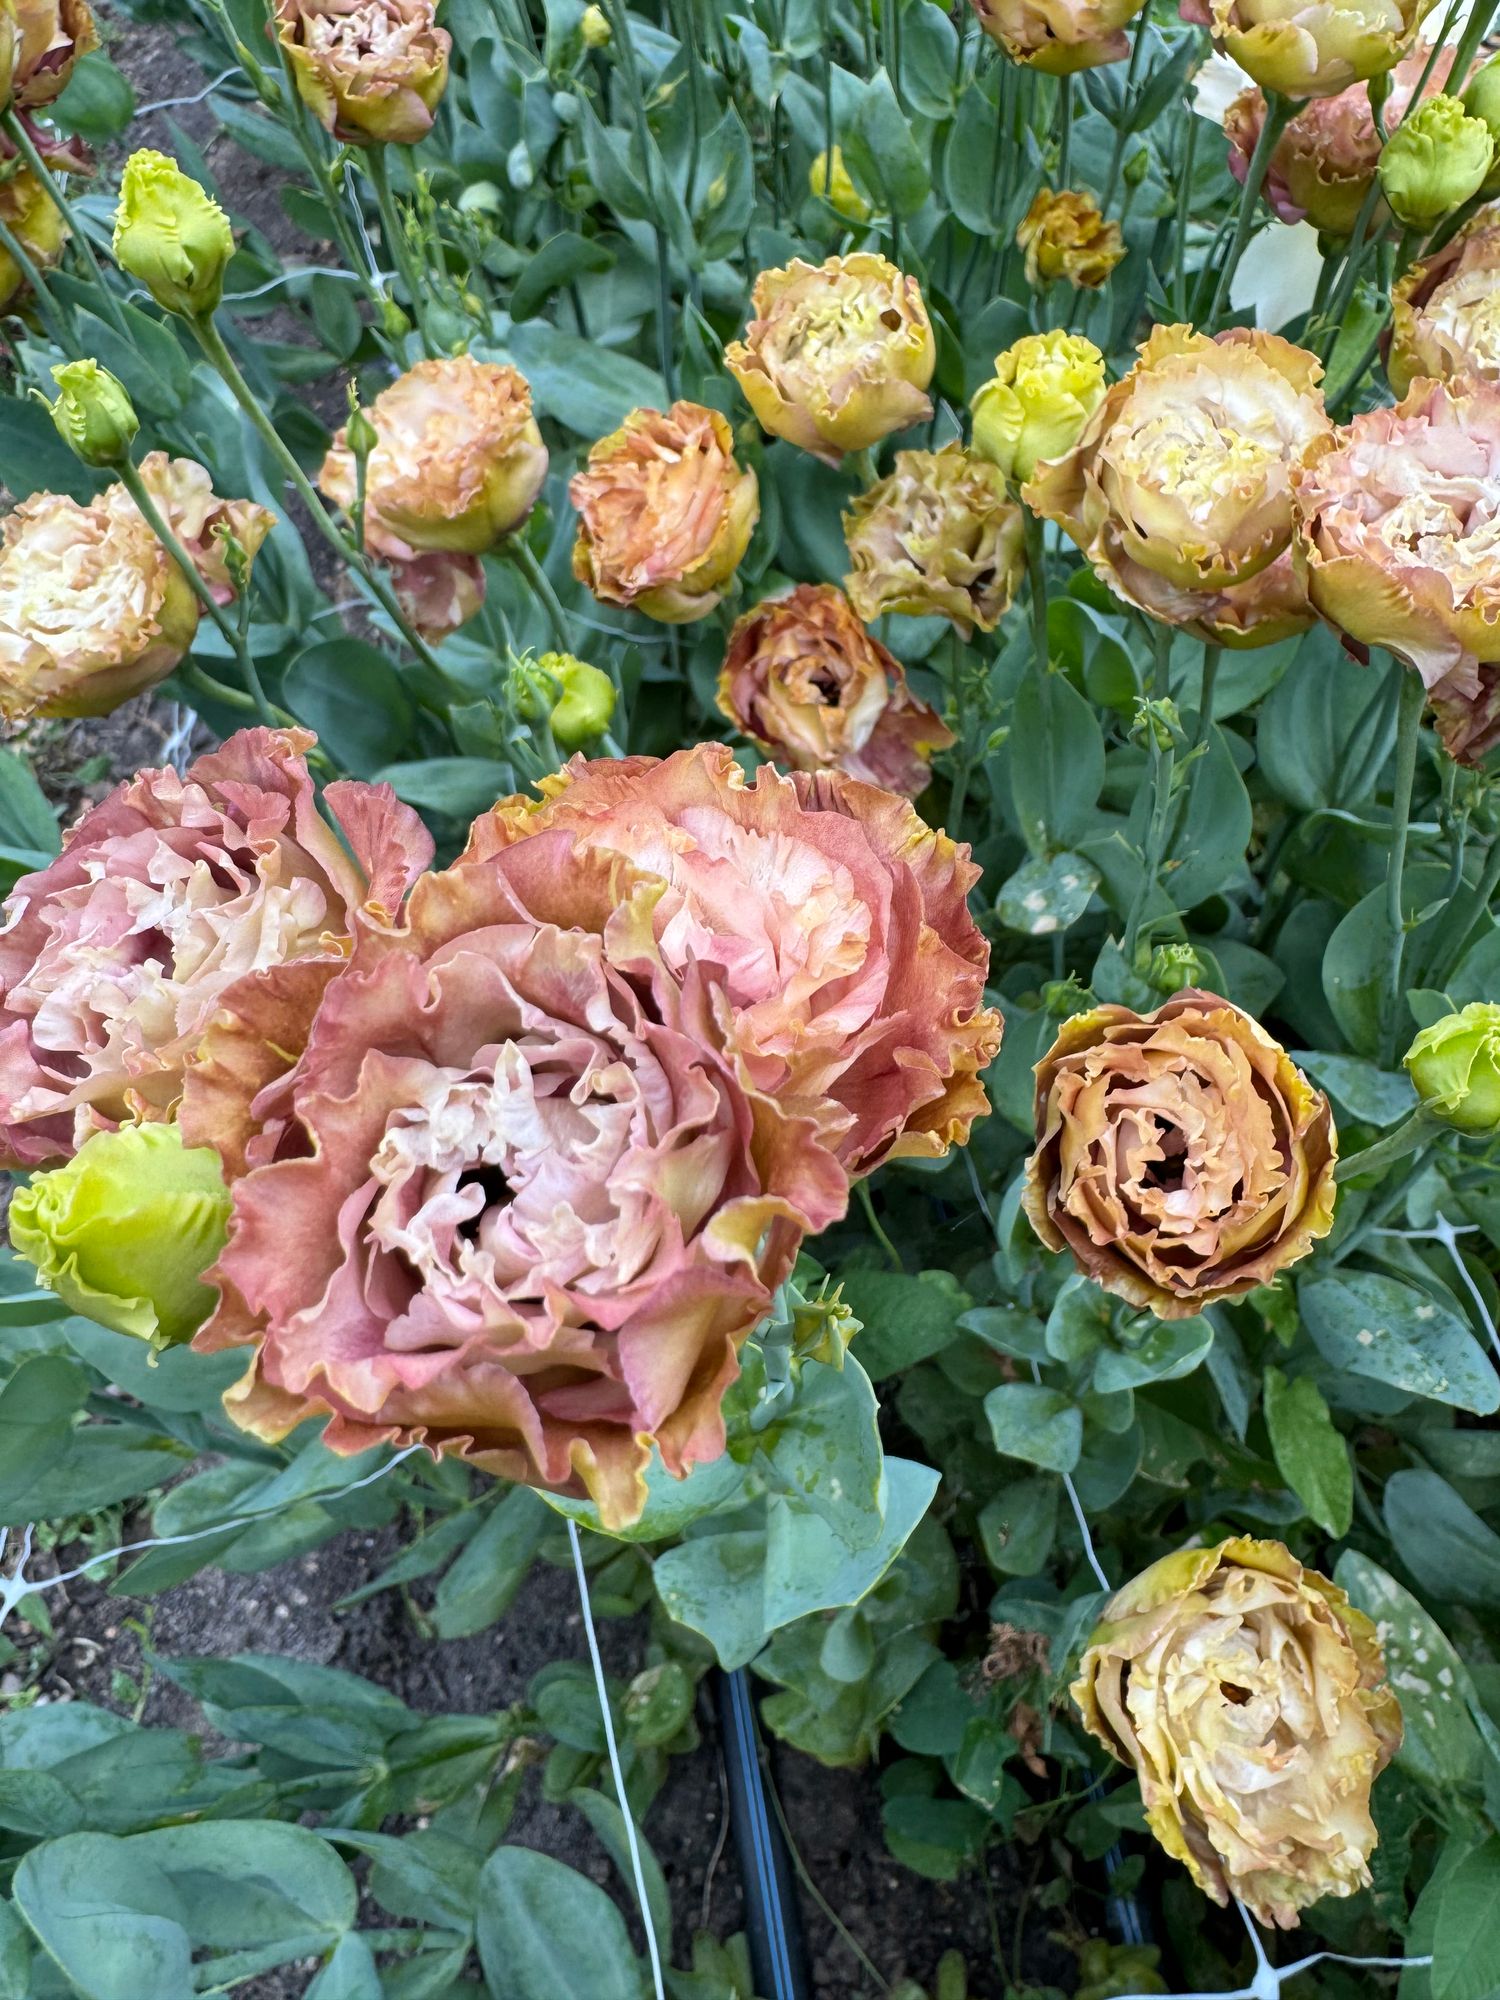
852	972
516	1201
114	957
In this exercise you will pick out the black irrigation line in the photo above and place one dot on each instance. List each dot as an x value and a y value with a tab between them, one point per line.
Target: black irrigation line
773	1915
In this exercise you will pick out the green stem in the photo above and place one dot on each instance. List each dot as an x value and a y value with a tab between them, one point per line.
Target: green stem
1278	111
862	1190
1184	215
1163	763
1041	656
1123	128
1211	658
620	21
540	584
1408	735
1064	129
391	228
16	132
1413	1132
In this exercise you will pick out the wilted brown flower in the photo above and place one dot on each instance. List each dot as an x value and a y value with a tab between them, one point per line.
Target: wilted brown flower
1059	36
36	222
1250	1698
1180	484
939	536
1398	531
1309	48
1065	236
370	71
1181	1157
1323	163
1446	310
837	355
665	514
49	37
806	681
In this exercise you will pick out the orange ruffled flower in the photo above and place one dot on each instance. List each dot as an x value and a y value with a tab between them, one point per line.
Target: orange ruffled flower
370	71
665	513
515	1200
806	681
1059	36
1180	485
1446	310
837	355
1181	1157
1310	48
853	972
938	536
1398	545
1065	236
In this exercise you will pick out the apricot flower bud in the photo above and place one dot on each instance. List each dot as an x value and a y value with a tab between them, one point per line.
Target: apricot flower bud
1065	236
124	1232
93	413
1434	160
938	536
370	71
829	177
1181	1157
1455	1067
1059	36
1044	390
837	355
665	514
171	235
1250	1698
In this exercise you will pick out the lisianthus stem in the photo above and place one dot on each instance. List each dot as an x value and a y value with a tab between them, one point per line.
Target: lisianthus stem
395	236
1064	129
1278	111
1163	764
1041	655
1408	733
1411	1133
1127	108
540	585
862	1189
1211	657
630	69
1184	216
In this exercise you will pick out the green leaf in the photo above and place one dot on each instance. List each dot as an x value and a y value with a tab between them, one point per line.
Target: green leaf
248	1883
1165	1351
903	1319
26	817
98	101
559	261
1310	1451
715	1585
825	1453
112	1920
672	1505
482	1584
349	1975
587	388
33	458
15	1955
809	1568
1214	831
1055	755
1438	1535
1032	1422
1046	896
1313	721
1017	1528
545	1930
1376	1096
1466	1948
355	700
880	149
1392	1332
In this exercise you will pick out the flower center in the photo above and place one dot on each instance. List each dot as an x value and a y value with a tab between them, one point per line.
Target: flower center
1185	452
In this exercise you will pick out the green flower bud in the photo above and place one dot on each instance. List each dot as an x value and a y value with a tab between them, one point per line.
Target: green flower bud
171	235
1174	966
360	435
1434	160
93	413
583	710
1455	1067
597	33
124	1232
822	1327
1063	998
1481	100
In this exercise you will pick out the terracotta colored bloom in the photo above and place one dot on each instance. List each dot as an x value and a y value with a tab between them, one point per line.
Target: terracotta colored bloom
665	513
938	536
1398	535
1271	607
1182	477
457	464
1065	236
49	37
1322	165
368	70
1250	1697
1446	310
92	608
853	972
805	680
837	355
1310	48
1059	36
36	222
115	956
536	1207
1180	1156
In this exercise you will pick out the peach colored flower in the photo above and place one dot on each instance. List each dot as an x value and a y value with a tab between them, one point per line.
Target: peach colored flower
806	681
938	536
837	355
370	71
1446	310
1322	165
115	956
1181	1157
1250	1698
1310	48
457	464
1180	484
1059	36
852	970
526	1208
49	37
665	513
1398	545
1065	236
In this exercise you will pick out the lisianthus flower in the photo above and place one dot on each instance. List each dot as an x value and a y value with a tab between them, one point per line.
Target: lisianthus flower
1065	236
939	535
1445	318
370	71
1059	36
1310	48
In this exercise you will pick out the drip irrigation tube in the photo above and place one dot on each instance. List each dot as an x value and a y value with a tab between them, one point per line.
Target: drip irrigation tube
773	1919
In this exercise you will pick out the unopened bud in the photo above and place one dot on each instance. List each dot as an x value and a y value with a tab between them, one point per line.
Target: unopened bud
93	413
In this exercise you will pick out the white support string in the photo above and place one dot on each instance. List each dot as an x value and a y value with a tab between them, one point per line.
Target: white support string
1446	1234
614	1762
